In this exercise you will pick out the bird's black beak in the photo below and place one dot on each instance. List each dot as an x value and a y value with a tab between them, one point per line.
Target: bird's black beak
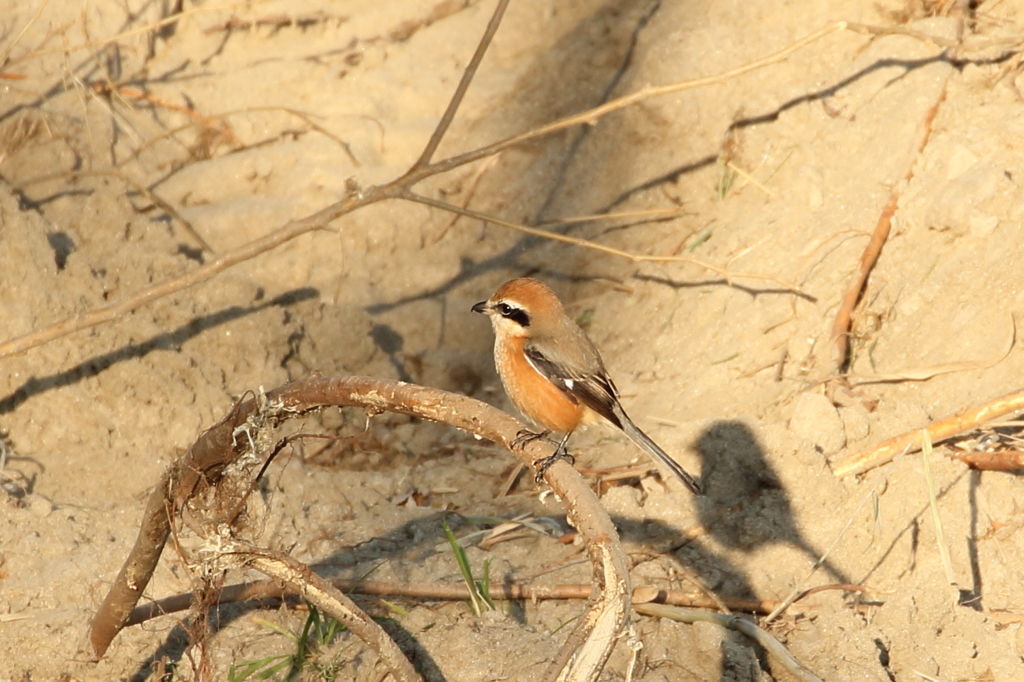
480	307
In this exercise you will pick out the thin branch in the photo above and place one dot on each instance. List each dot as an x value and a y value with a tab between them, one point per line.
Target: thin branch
844	316
587	244
270	589
590	116
460	91
953	425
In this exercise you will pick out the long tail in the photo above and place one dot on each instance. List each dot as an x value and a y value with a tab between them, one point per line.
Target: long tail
651	448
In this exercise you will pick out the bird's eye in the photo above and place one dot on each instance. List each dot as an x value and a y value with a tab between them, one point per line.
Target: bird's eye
516	314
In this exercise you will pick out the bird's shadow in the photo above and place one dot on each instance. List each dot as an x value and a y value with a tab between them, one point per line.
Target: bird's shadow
746	506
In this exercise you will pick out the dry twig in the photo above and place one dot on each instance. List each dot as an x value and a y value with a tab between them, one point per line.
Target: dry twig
926	373
270	589
937	431
587	244
844	317
1002	460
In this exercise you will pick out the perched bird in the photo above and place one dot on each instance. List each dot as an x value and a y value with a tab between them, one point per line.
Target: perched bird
553	373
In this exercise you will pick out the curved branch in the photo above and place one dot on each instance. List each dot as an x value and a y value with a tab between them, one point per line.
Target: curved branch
769	643
585	652
214	447
333	602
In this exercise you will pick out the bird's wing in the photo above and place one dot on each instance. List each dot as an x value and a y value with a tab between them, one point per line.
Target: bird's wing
595	390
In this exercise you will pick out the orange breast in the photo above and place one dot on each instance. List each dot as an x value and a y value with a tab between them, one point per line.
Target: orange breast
538	399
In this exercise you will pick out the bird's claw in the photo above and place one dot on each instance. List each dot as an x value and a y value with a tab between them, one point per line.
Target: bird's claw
525	437
544	463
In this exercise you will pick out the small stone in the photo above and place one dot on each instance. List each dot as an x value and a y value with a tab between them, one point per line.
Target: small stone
39	506
960	161
856	424
816	421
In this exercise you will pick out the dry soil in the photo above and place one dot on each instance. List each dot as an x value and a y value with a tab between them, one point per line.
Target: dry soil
117	133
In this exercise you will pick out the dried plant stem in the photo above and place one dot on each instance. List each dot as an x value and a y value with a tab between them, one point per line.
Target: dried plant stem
769	643
93	44
844	316
5	57
750	178
125	92
799	592
610	250
938	41
269	589
933	504
649	213
592	115
937	431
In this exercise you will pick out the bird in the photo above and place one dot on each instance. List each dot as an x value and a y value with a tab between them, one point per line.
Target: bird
554	374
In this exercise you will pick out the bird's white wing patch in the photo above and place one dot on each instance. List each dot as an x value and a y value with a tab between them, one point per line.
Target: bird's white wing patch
552	372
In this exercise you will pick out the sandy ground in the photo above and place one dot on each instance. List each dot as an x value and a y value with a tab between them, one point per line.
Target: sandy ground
254	114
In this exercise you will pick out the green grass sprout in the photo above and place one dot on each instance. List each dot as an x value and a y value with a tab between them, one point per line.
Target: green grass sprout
476	600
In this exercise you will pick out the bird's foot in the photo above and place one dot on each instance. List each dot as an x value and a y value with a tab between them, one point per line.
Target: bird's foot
544	463
525	437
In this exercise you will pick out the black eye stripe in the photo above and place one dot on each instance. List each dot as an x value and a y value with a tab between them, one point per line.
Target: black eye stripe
517	315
